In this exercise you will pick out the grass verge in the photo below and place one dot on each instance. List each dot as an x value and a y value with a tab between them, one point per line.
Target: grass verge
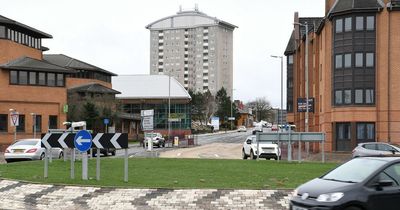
174	173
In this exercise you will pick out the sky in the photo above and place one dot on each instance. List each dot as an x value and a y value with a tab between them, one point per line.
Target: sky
111	34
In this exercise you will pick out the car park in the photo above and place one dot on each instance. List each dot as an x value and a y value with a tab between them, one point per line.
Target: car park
29	149
242	129
374	149
267	149
364	183
158	140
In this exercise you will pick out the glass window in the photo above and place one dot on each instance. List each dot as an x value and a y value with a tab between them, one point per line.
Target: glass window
370	23
347	60
360	131
369	59
338	61
3	122
369	96
370	131
384	147
359	96
51	79
347	96
42	78
32	78
347	24
370	146
290	59
365	131
60	80
13	77
338	97
38	122
2	32
23	78
53	121
359	23
359	60
392	173
21	125
339	25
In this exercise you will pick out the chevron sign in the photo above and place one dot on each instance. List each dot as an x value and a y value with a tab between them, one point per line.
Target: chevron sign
100	140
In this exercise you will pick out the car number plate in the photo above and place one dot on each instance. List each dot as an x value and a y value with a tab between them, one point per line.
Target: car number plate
18	151
298	208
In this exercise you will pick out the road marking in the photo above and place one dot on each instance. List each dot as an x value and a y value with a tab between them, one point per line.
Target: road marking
179	154
216	155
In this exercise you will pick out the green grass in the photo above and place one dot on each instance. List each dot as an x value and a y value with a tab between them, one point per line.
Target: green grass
174	173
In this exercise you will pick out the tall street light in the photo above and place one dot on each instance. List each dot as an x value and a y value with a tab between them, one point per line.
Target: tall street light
34	124
231	118
281	114
306	72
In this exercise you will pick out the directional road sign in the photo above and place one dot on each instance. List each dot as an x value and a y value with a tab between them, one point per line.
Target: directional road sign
83	141
14	118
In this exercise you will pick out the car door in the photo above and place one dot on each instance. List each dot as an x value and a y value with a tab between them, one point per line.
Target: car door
385	197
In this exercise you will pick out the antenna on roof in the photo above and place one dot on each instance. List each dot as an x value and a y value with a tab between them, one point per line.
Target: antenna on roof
196	7
180	8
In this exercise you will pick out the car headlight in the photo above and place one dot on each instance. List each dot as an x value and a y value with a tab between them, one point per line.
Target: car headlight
330	197
295	192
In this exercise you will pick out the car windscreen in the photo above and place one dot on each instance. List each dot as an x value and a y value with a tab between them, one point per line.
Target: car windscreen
27	142
355	170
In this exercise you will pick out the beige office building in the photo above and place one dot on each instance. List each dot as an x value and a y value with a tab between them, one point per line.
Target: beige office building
196	49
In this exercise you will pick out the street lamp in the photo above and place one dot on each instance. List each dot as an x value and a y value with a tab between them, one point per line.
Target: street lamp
34	124
306	72
281	115
231	109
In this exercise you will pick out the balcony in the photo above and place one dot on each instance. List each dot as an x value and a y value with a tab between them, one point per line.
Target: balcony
205	44
205	31
161	54
186	73
161	47
161	41
205	37
186	65
205	71
161	34
186	79
205	64
205	77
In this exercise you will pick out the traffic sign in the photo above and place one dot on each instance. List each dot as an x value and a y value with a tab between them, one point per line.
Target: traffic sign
147	123
145	113
231	118
83	140
14	117
106	121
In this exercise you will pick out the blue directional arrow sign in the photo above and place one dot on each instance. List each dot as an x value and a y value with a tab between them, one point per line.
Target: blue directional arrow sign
83	141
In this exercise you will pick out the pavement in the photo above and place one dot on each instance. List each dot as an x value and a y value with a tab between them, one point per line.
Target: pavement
22	195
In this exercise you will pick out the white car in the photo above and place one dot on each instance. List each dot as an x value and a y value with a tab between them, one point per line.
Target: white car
241	129
158	139
268	150
29	149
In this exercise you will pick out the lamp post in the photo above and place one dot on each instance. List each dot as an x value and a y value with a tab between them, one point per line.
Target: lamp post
169	107
34	124
306	72
232	111
281	111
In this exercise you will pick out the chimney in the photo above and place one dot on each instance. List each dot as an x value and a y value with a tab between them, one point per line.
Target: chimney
296	27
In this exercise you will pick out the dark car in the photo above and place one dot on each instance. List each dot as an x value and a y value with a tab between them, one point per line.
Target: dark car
365	183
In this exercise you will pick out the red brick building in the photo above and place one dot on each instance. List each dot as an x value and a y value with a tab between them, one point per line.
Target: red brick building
353	68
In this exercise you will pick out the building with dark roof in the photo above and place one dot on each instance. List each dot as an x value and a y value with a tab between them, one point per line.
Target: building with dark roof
194	48
353	67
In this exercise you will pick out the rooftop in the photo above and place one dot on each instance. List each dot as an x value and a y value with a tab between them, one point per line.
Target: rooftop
22	27
31	64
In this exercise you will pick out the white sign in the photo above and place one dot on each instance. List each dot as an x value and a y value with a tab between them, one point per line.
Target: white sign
174	120
231	118
14	118
145	113
215	123
147	123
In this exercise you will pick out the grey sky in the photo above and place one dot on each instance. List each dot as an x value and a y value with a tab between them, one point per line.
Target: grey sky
112	35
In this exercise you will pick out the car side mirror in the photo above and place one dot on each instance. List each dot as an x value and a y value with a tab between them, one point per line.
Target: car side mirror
248	142
393	151
383	183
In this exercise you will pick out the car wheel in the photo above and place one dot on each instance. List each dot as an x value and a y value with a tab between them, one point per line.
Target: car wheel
105	153
61	155
252	156
244	156
42	156
113	153
163	144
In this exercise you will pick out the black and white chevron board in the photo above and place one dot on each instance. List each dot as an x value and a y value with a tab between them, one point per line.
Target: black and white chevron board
99	140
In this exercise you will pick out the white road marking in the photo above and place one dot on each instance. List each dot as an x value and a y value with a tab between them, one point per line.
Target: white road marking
179	154
216	155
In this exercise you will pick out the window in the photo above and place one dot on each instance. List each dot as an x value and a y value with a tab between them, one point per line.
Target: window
369	96
359	59
347	24
2	32
343	131
13	77
38	122
359	23
338	97
32	78
21	125
338	61
290	59
359	96
53	121
347	60
42	78
60	80
347	96
391	173
366	131
370	23
369	59
23	78
3	123
51	79
339	25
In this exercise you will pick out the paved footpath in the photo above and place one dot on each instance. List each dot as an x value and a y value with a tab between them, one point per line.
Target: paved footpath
22	195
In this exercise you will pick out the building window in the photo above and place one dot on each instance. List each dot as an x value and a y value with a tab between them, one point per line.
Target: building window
366	131
343	131
60	80
53	121
369	59
370	23
290	59
32	78
359	59
13	77
23	78
347	60
38	122
347	24
359	96
42	78
359	23
338	61
21	125
339	25
3	122
369	96
347	96
51	79
338	97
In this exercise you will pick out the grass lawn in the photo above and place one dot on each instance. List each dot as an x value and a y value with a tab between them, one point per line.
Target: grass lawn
174	173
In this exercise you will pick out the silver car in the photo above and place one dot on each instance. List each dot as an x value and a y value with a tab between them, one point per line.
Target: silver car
29	149
375	149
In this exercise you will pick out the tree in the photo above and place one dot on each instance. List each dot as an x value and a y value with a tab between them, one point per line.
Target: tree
197	106
225	107
90	115
262	109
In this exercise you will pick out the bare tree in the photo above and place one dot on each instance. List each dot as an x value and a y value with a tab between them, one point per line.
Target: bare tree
262	109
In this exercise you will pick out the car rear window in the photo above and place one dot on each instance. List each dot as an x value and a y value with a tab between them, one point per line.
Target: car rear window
27	142
369	146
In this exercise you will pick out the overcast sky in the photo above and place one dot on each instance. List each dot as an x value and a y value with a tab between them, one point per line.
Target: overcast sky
111	34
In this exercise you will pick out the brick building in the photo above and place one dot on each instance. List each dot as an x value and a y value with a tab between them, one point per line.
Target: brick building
353	68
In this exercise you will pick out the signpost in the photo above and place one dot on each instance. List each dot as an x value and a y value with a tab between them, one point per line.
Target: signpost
14	118
148	125
83	142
